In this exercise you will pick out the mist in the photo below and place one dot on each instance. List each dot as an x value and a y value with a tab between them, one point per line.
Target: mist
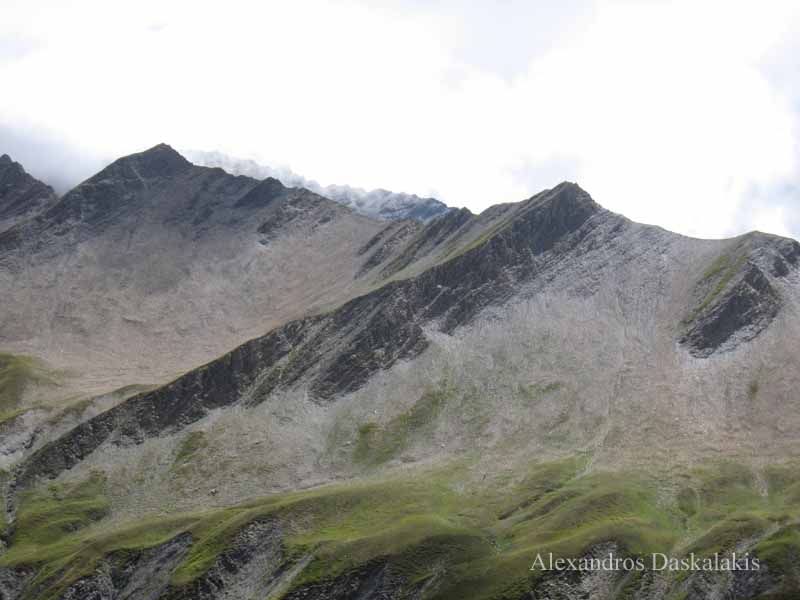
54	161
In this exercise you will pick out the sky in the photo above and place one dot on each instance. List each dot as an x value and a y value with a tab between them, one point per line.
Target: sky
684	114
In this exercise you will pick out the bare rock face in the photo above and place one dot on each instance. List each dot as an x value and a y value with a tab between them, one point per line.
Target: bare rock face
14	582
252	566
376	580
141	575
22	197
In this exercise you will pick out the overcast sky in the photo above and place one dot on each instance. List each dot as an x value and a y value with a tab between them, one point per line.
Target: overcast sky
682	114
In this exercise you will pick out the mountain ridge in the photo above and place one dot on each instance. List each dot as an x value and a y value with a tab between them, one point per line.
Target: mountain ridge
461	394
378	203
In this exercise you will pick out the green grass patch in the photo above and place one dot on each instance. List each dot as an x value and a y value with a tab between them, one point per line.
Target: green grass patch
378	444
192	443
47	516
478	241
594	508
10	415
720	265
535	391
781	550
783	481
17	375
724	536
415	544
688	501
725	488
482	529
717	277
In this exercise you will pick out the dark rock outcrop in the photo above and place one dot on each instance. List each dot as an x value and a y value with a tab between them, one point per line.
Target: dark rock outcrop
373	580
745	308
250	567
737	297
13	581
127	575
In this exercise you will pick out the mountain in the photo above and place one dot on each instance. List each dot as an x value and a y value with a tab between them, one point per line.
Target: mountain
418	411
153	250
21	196
379	204
154	266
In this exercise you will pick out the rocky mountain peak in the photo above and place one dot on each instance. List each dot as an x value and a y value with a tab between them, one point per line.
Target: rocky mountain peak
9	164
159	161
566	192
115	189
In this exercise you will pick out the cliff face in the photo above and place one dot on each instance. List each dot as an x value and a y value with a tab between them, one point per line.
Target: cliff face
430	407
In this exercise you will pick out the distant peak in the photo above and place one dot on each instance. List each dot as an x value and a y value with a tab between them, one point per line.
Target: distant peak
8	163
159	161
565	194
569	187
162	150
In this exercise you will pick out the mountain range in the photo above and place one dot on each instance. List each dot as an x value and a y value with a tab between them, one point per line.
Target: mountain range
216	386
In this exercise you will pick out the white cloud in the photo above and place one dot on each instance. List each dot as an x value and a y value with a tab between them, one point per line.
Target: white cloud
664	111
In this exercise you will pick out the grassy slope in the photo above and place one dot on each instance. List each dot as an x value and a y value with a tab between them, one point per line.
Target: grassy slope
487	532
17	375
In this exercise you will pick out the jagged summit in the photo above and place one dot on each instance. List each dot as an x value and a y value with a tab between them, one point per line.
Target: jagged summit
159	161
568	186
566	192
7	162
